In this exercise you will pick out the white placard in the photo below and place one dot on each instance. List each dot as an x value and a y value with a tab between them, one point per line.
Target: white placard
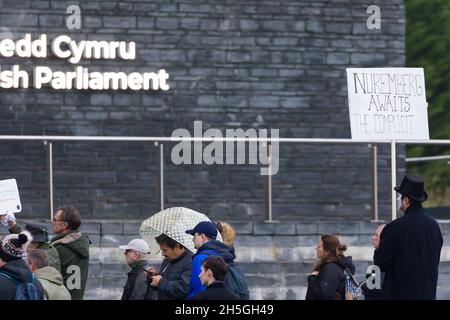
387	103
9	197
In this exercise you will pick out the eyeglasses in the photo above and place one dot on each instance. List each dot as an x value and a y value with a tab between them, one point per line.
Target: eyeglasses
55	220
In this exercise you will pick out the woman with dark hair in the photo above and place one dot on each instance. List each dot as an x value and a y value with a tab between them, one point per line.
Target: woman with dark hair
327	282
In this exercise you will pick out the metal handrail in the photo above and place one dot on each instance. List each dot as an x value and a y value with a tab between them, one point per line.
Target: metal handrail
268	201
217	139
427	159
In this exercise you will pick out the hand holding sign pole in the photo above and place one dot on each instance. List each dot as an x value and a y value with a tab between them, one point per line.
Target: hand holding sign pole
388	104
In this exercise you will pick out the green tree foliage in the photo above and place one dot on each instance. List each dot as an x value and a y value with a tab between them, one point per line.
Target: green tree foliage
428	46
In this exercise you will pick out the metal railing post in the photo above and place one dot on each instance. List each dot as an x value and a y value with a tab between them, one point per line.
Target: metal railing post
268	190
393	179
373	149
49	177
160	181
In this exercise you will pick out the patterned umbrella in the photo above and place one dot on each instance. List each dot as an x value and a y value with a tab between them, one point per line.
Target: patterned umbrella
173	222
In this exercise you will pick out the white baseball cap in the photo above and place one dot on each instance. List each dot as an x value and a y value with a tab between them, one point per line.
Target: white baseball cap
137	245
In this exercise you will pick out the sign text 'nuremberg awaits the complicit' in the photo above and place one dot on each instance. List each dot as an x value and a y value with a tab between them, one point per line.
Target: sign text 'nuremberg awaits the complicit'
387	103
79	78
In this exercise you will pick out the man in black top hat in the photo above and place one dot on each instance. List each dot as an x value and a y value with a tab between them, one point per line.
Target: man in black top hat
410	247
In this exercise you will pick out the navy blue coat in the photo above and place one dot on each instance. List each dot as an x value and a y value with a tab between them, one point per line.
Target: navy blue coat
409	254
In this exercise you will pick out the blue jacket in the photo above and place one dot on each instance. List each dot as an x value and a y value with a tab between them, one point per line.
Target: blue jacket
211	247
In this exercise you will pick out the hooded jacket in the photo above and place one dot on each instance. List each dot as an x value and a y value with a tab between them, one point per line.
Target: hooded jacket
329	284
211	247
18	270
52	282
53	255
73	249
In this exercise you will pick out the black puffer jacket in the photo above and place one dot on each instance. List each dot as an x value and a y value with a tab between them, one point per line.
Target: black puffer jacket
18	270
176	275
329	284
137	286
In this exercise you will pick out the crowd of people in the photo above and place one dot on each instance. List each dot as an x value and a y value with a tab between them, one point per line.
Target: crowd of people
406	250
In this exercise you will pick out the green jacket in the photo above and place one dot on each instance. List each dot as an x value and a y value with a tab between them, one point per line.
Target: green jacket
73	249
53	255
53	284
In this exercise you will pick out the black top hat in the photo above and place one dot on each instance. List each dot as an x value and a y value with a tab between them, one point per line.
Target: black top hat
412	187
38	231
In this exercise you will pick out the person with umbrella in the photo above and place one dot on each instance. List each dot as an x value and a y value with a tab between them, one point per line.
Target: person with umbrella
172	280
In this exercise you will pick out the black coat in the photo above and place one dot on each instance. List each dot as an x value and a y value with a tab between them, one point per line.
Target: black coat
373	294
216	291
409	254
176	275
330	283
19	271
137	286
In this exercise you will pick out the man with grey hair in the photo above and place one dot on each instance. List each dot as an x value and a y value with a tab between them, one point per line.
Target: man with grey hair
50	278
73	250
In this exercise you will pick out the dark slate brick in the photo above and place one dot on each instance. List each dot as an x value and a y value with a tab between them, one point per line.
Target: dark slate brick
367	59
90	227
19	20
119	22
101	99
263	281
242	228
167	23
131	228
306	228
314	26
249	268
269	268
338	58
263	228
351	228
47	20
328	228
145	22
297	268
110	228
253	241
285	228
296	280
286	241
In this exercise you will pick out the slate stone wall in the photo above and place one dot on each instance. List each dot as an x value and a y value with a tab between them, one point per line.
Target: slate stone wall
232	64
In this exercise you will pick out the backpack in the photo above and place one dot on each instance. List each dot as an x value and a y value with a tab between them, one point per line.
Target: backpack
352	289
25	290
234	279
